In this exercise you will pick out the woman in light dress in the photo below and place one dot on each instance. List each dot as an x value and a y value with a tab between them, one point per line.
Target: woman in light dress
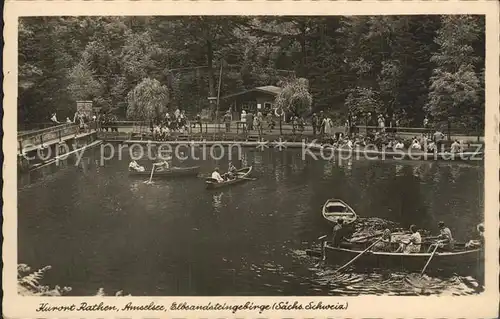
244	119
327	126
413	244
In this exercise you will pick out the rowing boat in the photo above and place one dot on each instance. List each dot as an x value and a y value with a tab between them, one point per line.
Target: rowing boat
458	260
170	172
334	209
242	175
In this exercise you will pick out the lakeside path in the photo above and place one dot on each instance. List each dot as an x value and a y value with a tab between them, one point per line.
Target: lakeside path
287	131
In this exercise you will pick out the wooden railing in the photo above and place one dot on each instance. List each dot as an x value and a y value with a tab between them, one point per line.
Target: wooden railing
39	137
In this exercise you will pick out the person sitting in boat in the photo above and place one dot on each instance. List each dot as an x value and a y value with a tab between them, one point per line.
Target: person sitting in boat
412	245
162	164
216	175
341	233
231	171
136	167
385	244
445	239
477	243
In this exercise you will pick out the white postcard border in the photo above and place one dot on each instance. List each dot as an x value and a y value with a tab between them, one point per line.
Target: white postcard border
483	305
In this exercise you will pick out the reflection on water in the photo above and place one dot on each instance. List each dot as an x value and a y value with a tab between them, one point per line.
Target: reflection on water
100	227
217	202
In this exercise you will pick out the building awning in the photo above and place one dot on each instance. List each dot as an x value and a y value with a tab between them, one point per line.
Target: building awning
269	89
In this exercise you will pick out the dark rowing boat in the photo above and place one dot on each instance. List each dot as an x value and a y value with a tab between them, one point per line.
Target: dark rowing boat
333	209
170	172
242	175
457	261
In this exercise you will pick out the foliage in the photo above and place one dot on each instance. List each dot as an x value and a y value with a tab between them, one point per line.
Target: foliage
147	101
361	101
457	90
28	283
295	97
390	63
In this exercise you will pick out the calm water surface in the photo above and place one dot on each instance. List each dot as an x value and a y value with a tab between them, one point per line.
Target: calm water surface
98	227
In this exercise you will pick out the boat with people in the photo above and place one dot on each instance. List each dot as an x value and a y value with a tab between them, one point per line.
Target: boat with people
241	175
460	257
168	172
334	209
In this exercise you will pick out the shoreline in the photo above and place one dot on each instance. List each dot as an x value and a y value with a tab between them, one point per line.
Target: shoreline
321	150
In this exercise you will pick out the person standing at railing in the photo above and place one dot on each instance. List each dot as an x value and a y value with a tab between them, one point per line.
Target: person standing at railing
243	120
321	122
438	139
314	123
328	127
250	121
182	121
258	122
80	119
270	121
53	118
381	123
227	121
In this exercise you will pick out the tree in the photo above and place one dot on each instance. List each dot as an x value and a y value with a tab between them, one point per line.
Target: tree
147	101
456	89
361	102
294	98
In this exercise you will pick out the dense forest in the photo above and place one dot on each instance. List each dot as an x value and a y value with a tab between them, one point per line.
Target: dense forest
406	67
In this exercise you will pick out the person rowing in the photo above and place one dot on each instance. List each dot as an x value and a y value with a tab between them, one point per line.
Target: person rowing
136	167
216	175
232	171
341	233
162	165
445	239
385	243
338	236
412	245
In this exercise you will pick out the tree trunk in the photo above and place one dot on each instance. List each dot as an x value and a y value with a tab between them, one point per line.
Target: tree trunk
303	30
211	77
281	128
449	129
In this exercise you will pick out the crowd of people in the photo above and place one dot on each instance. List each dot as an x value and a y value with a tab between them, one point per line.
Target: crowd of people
175	122
99	122
390	141
322	128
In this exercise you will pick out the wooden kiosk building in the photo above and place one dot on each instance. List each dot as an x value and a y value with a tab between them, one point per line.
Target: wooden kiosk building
254	100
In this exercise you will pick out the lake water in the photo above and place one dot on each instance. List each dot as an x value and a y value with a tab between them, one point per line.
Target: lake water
98	227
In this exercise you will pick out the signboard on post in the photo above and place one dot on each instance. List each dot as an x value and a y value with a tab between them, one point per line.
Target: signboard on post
84	107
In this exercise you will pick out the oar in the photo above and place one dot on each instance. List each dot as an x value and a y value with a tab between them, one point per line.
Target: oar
323	249
430	258
359	255
248	178
367	237
151	176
